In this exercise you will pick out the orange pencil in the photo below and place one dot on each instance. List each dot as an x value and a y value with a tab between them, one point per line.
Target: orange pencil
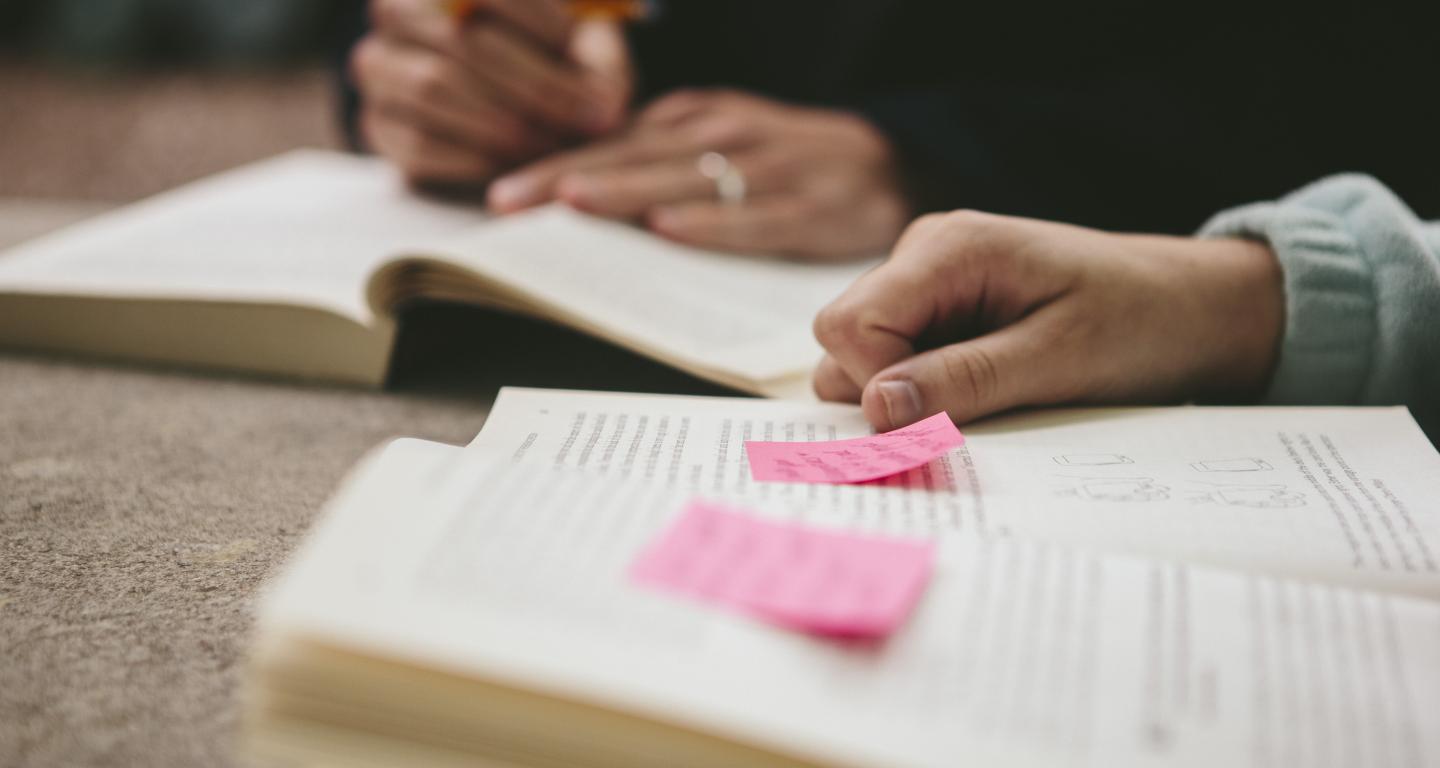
605	10
610	10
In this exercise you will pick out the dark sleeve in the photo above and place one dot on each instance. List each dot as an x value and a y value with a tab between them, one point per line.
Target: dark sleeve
1115	151
1127	116
1044	109
943	158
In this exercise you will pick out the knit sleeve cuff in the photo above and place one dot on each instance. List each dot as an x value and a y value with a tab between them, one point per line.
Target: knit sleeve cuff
1330	317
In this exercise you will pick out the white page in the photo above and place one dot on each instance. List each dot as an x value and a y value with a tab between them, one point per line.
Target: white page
304	228
1264	489
1019	653
743	314
310	227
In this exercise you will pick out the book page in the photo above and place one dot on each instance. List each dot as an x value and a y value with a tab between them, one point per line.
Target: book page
1019	651
305	228
746	315
1344	495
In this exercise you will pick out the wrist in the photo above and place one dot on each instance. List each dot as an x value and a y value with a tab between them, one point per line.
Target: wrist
1248	301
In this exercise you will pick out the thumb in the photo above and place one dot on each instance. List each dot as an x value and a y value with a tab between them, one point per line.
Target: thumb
599	49
974	378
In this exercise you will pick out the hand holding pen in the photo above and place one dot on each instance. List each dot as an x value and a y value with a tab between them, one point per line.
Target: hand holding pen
461	90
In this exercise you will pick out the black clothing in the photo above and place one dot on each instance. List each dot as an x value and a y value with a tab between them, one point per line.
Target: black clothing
1119	114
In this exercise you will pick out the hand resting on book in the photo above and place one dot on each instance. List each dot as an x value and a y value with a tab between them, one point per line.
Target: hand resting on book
818	184
975	314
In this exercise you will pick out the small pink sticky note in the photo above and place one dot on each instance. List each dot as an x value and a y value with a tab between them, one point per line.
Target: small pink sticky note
856	460
805	578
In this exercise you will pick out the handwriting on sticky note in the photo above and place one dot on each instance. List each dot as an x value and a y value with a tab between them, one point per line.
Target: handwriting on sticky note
810	579
856	460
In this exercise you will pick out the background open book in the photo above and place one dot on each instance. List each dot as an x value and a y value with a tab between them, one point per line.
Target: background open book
1138	587
297	267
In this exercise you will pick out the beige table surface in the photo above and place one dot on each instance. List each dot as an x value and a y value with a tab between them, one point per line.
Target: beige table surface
140	510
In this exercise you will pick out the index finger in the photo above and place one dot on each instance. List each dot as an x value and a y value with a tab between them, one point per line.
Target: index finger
875	323
535	183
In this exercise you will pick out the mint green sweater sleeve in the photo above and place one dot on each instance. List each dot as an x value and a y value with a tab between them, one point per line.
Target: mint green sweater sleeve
1362	293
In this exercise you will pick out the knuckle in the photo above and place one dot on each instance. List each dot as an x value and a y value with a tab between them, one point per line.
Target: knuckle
942	240
926	225
974	229
724	130
971	375
967	220
837	326
920	231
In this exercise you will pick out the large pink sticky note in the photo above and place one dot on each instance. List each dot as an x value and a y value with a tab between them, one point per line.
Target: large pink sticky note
806	578
856	460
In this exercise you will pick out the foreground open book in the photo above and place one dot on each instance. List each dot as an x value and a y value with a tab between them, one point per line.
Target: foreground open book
1169	587
298	265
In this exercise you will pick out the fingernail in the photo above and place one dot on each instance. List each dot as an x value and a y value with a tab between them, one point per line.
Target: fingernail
511	192
902	402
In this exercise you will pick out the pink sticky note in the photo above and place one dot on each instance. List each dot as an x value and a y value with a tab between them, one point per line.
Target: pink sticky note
805	578
856	460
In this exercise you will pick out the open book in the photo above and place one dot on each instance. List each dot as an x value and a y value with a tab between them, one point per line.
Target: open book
296	266
1166	587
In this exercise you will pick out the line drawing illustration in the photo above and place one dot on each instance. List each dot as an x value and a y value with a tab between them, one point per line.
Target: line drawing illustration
1092	459
1232	465
1115	489
1276	496
1147	489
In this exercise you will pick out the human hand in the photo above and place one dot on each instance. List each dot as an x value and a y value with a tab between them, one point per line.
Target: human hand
975	314
820	184
451	101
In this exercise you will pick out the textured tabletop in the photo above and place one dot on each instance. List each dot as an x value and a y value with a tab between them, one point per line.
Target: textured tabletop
140	510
